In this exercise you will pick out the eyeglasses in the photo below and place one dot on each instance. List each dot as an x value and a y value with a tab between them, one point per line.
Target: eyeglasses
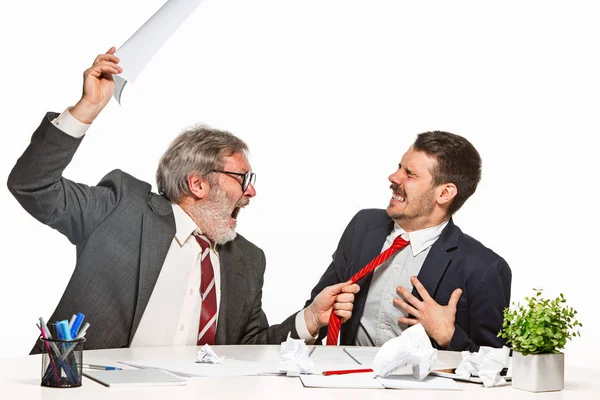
249	177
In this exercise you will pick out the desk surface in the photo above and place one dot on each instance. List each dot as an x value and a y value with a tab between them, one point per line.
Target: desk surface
20	379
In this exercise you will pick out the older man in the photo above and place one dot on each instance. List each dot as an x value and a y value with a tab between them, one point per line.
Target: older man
158	269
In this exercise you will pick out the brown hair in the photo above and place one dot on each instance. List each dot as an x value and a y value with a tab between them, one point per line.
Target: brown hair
458	162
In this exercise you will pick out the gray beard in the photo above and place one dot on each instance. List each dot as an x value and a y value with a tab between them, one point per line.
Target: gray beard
211	218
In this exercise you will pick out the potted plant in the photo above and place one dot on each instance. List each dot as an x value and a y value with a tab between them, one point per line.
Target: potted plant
537	331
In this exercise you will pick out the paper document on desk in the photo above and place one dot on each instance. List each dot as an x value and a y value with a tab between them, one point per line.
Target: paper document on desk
362	355
331	355
350	381
365	356
229	368
409	382
135	378
191	368
369	381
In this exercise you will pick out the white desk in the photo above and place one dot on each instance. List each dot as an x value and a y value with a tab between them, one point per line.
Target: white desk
20	379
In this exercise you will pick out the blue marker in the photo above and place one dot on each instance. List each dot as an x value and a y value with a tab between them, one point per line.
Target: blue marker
77	325
59	331
62	328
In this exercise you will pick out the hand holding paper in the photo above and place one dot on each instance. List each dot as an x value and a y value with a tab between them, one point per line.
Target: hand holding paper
98	87
141	47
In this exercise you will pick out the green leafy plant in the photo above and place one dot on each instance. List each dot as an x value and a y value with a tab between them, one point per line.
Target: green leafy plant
540	326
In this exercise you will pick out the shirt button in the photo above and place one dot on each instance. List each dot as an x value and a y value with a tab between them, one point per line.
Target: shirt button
181	328
191	291
382	326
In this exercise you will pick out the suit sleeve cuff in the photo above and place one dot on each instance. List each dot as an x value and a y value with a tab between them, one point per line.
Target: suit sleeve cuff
70	125
303	330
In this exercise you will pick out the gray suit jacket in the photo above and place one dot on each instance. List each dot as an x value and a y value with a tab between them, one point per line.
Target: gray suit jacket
123	232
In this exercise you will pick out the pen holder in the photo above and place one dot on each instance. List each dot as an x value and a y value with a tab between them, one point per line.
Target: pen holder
62	362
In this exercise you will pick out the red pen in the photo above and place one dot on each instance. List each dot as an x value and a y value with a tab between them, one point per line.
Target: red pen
347	371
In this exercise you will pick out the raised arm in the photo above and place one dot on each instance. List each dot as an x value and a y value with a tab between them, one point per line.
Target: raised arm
98	87
36	181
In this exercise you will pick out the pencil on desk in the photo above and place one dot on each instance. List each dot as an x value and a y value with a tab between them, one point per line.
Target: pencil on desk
347	371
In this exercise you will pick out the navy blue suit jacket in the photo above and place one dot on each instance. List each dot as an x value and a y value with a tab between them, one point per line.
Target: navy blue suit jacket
454	261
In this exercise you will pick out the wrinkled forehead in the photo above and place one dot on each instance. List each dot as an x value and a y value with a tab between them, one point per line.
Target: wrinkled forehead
236	162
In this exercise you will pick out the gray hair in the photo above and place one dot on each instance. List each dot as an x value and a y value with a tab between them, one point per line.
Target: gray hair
197	150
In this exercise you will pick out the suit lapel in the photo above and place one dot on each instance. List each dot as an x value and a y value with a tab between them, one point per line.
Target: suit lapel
232	267
438	260
158	230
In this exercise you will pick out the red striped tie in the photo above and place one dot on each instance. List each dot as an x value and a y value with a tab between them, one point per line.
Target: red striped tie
335	322
208	313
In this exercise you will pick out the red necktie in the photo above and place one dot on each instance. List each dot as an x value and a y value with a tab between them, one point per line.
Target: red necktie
335	322
208	313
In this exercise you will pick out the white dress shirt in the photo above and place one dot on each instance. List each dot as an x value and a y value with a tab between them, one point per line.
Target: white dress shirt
172	315
379	321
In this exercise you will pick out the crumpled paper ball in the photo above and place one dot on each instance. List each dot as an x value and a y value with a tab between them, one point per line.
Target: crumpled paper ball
294	357
206	355
411	349
487	363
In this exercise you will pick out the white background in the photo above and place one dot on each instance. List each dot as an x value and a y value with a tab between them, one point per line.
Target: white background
328	95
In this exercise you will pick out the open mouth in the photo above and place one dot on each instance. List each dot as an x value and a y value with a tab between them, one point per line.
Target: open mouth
243	202
397	197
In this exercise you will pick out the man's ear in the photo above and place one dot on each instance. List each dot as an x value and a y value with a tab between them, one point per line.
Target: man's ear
198	186
446	193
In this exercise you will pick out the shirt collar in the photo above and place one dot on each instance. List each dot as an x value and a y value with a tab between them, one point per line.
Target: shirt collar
422	239
184	225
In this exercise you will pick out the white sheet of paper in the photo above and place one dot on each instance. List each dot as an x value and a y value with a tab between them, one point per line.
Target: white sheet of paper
363	355
331	354
368	381
230	367
409	382
190	368
139	49
349	381
135	378
366	355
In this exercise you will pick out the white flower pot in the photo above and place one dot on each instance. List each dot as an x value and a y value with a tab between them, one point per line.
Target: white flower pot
538	372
